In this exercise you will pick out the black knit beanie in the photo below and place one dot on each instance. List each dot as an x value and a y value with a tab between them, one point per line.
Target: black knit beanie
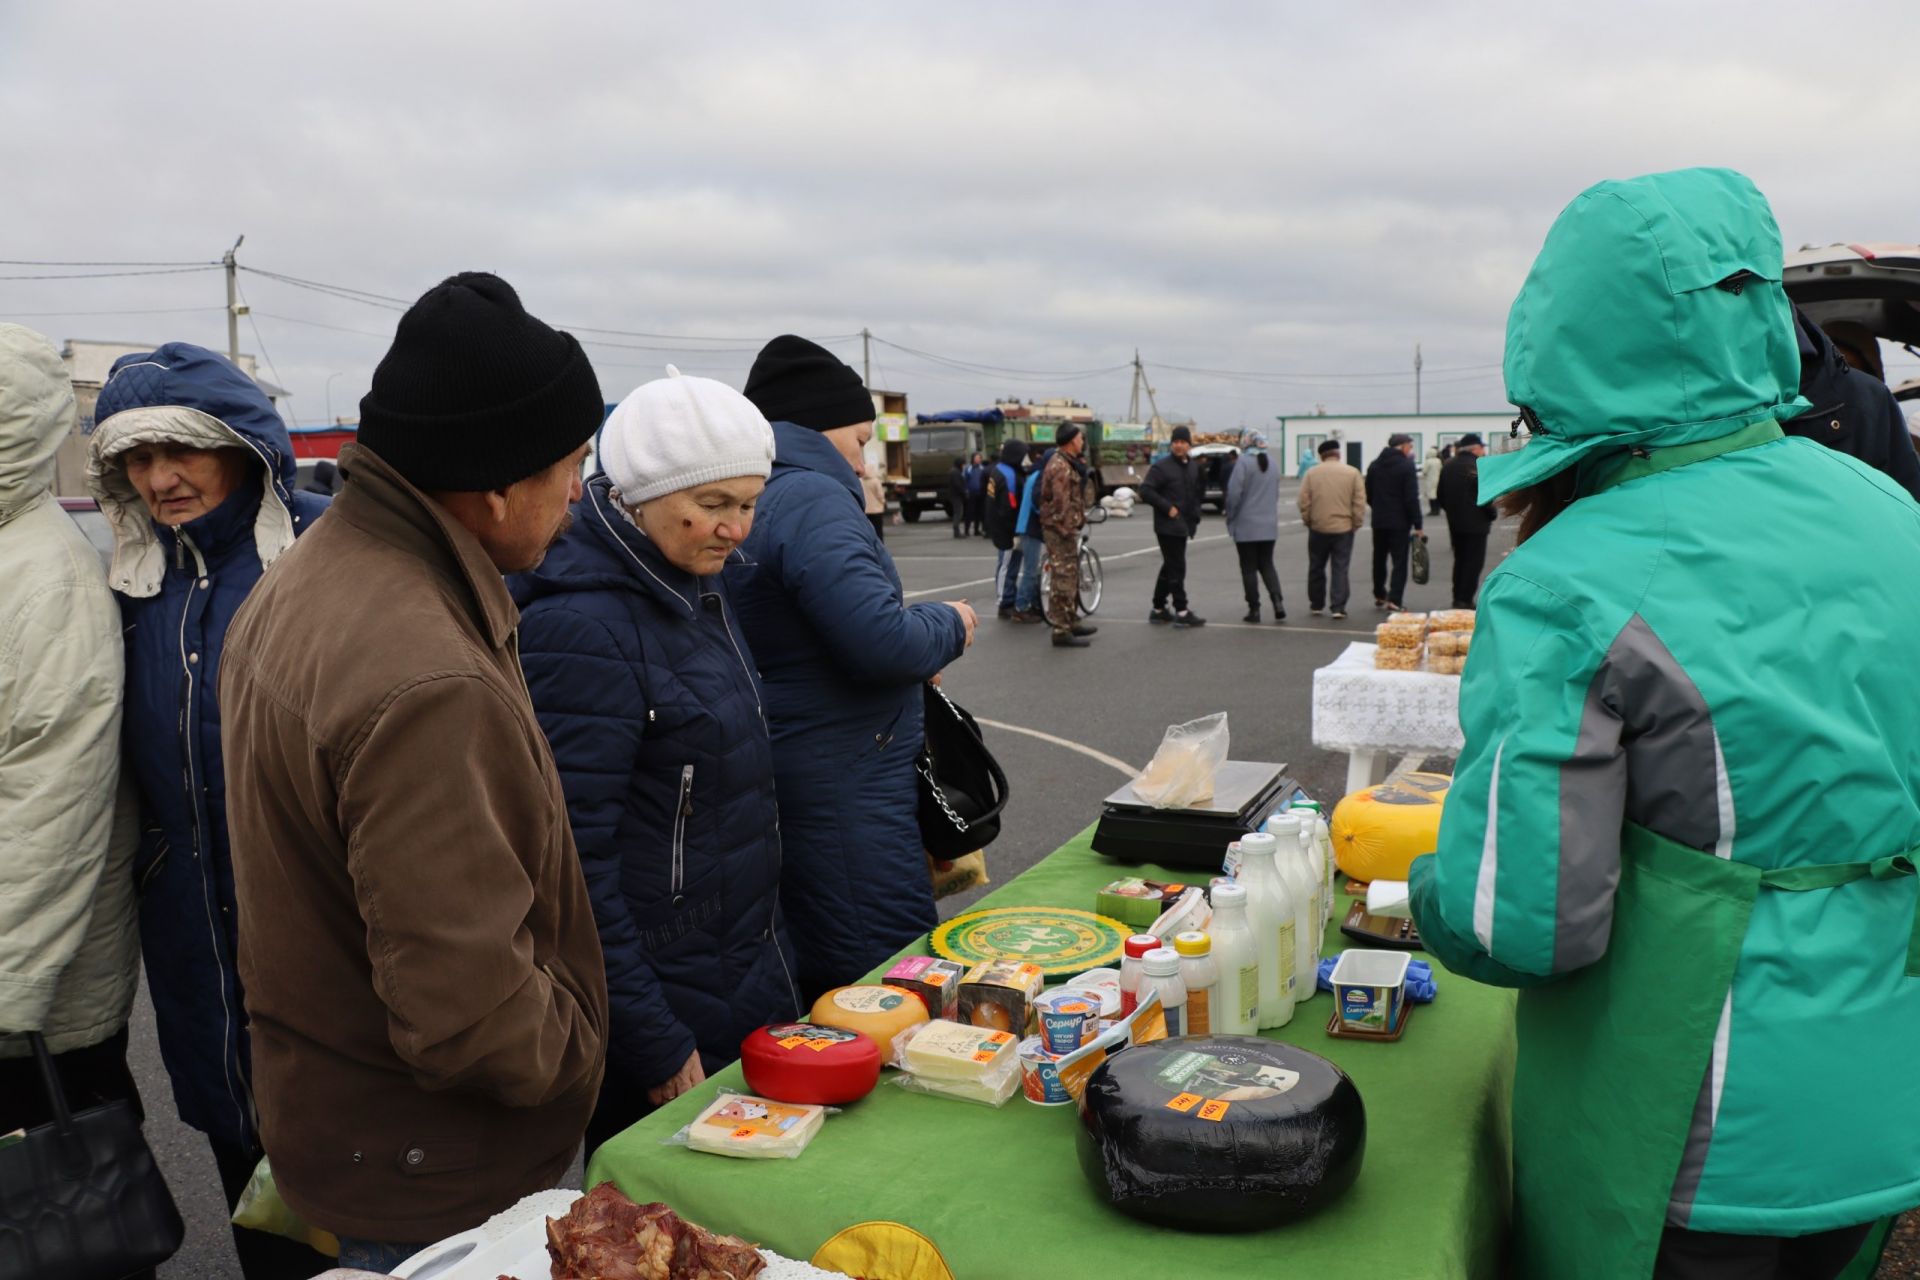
793	380
477	394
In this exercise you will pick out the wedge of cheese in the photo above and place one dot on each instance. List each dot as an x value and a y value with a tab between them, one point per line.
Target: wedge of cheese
956	1051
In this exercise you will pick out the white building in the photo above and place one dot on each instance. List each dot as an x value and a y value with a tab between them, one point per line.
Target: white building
1365	435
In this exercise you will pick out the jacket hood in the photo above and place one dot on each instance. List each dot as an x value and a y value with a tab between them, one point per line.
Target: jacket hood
1653	316
36	414
185	395
605	551
1014	452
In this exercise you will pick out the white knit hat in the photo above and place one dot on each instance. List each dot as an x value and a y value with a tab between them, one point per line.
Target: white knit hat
678	432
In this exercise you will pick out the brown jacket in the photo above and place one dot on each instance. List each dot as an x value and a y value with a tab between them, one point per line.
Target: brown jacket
423	974
1333	498
1062	502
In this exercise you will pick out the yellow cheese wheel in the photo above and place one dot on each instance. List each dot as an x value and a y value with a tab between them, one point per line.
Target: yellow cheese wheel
1380	830
875	1010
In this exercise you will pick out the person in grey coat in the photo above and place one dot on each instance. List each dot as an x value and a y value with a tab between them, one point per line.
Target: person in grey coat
1253	522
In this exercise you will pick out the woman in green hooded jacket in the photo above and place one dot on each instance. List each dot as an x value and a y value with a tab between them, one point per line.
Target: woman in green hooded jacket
1685	816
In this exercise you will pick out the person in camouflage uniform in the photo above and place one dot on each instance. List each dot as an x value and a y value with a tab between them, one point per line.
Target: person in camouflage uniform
1063	513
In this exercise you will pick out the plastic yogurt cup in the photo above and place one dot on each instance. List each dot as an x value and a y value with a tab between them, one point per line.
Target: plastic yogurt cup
1040	1075
1066	1019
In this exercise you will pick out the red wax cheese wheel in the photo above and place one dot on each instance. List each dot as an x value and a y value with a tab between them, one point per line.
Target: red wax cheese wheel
800	1062
872	1009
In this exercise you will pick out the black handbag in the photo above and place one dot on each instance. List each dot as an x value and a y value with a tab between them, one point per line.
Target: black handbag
81	1198
962	787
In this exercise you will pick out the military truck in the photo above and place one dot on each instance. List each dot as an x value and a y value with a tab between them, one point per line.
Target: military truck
936	441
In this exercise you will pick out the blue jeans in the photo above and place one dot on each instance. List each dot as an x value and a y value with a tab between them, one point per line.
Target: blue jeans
375	1256
1006	575
1033	556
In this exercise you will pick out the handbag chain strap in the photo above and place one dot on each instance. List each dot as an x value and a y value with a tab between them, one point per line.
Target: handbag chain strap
939	797
924	766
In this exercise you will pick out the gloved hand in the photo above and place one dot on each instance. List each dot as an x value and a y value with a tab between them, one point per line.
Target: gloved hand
1420	986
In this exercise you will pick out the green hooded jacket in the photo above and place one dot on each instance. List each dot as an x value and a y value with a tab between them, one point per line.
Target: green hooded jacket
1716	642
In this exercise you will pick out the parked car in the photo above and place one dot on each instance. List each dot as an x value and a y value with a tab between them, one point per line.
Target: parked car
1875	286
1216	464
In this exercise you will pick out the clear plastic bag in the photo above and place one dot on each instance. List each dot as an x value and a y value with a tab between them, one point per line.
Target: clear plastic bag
1182	770
261	1208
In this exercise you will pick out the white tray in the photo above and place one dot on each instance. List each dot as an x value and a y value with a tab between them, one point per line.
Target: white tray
514	1243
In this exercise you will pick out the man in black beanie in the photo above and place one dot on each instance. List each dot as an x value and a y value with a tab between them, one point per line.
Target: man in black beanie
422	968
842	658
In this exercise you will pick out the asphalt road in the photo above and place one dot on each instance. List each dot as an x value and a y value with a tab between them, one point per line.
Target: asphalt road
1110	702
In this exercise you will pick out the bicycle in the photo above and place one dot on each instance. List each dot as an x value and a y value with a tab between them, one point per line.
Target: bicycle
1087	596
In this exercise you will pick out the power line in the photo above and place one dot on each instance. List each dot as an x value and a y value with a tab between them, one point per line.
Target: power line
151	311
31	262
1252	376
1001	370
315	324
103	275
256	335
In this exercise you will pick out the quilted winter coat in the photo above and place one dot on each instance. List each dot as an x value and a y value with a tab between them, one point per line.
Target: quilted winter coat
179	589
842	658
648	697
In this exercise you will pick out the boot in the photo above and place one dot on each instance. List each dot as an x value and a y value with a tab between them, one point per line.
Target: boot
1279	614
1084	628
1253	613
1006	613
1068	640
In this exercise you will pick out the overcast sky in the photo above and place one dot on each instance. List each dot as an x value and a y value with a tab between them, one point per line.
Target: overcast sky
1298	193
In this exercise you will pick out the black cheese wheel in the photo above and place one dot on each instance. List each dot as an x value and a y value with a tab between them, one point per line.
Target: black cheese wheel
1220	1133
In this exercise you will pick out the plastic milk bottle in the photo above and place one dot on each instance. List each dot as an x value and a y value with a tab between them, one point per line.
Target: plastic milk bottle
1236	996
1270	911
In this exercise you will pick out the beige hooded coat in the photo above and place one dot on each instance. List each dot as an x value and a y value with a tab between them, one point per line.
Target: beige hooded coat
68	947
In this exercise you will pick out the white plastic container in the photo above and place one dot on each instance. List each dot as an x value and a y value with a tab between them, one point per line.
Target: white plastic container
1314	934
1160	973
1270	914
1323	844
1289	859
1202	978
1370	988
1235	1009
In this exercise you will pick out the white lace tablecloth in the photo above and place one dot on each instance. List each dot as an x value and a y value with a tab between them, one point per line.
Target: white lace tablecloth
1359	709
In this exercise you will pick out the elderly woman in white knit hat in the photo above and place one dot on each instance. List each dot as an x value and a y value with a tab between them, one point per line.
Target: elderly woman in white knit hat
652	705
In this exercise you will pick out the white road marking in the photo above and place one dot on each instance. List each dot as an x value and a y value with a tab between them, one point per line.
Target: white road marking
945	592
1283	629
1070	745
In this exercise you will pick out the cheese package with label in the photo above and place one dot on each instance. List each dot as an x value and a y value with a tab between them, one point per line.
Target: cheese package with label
935	981
876	1011
956	1051
1220	1133
800	1062
999	995
739	1124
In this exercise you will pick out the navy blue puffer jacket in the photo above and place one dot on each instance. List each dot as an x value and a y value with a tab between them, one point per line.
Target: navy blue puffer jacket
649	700
842	658
179	589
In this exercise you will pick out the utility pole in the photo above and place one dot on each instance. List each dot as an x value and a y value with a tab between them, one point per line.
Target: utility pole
866	356
1133	399
233	304
1416	379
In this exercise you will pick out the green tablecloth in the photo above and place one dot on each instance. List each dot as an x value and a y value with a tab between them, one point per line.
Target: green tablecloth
1001	1191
